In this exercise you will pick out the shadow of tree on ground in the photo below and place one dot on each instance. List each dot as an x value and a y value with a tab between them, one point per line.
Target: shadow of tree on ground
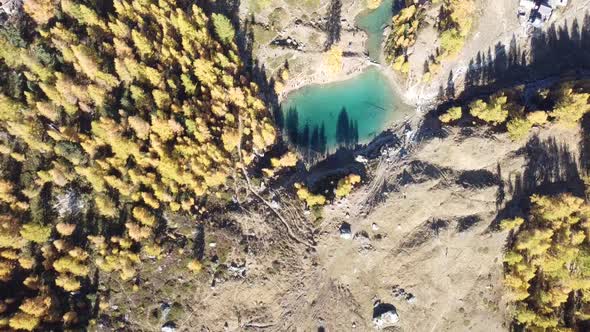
550	169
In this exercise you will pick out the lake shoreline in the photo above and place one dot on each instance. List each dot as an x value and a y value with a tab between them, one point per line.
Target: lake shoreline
354	66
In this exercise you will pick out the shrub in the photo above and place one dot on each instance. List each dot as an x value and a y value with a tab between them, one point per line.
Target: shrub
373	4
538	118
259	5
451	42
453	114
493	113
194	266
345	185
519	128
333	60
35	233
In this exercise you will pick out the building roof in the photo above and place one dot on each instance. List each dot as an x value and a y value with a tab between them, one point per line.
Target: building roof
545	11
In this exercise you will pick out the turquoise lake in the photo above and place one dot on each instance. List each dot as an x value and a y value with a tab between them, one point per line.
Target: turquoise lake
368	99
374	22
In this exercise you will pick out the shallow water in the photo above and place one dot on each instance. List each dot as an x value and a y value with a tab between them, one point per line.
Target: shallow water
373	22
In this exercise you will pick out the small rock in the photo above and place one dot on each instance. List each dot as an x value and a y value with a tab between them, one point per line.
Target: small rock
374	227
237	271
212	244
169	327
165	307
275	205
361	159
345	231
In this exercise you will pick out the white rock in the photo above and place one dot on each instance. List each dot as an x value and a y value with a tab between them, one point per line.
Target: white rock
361	159
387	319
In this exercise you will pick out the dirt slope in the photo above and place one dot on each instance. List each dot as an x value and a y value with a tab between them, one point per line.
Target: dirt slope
431	234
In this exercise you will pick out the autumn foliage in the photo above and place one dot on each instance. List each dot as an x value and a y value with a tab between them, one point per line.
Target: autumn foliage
548	263
109	119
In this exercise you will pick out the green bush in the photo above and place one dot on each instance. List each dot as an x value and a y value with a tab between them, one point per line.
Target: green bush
451	42
453	114
492	113
519	128
223	28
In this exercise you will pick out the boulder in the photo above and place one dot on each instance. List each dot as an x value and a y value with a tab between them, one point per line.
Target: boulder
384	315
169	327
345	231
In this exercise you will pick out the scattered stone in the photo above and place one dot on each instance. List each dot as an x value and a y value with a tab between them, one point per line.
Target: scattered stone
400	293
345	231
361	159
374	227
165	307
169	327
212	244
362	236
275	205
384	315
238	271
365	241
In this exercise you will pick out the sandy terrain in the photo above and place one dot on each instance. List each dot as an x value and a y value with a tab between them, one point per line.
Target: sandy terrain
423	223
496	22
307	65
431	234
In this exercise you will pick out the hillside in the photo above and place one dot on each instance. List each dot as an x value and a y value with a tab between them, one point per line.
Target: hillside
151	179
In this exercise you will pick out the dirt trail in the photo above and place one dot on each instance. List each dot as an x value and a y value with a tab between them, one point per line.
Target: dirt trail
432	235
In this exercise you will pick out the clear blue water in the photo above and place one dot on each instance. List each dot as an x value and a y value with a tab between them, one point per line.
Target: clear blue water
374	22
368	98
